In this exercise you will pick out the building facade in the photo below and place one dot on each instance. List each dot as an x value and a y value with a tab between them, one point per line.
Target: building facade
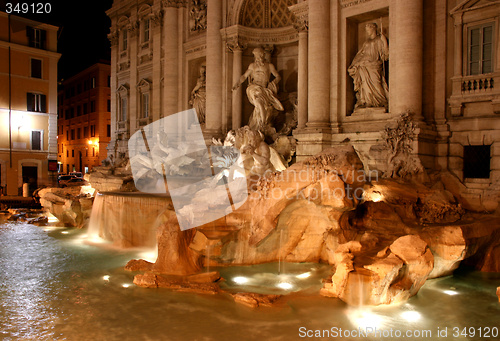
442	67
84	126
28	103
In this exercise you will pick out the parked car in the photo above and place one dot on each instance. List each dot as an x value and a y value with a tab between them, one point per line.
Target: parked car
74	182
77	174
63	178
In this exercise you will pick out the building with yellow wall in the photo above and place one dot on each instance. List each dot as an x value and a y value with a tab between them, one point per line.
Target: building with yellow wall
28	103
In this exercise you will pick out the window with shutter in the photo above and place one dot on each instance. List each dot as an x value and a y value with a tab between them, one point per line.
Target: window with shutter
36	140
480	49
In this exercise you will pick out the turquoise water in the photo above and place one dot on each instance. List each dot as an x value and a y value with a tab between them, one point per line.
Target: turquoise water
56	287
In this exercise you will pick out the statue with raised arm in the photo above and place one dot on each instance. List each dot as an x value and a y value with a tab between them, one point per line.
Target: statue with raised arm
261	91
199	94
367	72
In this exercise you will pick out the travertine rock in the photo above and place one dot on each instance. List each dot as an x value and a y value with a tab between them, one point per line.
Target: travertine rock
498	293
383	245
67	205
202	284
255	300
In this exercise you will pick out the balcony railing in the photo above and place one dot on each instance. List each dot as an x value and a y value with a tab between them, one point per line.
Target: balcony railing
477	84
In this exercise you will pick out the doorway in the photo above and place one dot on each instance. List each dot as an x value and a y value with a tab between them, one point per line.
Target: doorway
30	176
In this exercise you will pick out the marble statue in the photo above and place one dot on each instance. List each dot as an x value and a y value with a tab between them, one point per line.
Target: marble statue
199	94
261	91
367	70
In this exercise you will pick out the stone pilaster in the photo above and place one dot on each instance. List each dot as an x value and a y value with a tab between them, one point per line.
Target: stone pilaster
171	63
319	64
406	57
237	97
113	39
214	68
301	24
157	21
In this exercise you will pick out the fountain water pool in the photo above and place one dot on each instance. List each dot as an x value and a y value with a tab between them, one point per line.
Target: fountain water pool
54	286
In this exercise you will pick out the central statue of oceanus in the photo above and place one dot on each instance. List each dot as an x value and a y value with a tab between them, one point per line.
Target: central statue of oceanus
261	91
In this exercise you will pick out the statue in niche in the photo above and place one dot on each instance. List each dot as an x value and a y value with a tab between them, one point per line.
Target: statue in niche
261	92
199	94
367	70
198	15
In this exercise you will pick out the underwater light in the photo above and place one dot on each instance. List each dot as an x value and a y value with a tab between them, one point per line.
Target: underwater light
284	285
125	285
105	277
64	232
411	316
240	280
304	275
363	318
450	292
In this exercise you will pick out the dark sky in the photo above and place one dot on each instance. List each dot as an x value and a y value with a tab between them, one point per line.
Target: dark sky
83	28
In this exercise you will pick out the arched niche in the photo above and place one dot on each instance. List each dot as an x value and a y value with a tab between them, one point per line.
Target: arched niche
267	24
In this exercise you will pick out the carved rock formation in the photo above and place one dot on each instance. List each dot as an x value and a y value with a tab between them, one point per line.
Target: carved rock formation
384	238
68	205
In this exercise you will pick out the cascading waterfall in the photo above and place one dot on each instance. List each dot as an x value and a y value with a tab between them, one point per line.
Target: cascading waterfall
126	219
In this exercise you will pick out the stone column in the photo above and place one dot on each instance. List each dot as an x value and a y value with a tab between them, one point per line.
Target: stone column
319	64
237	100
214	68
157	21
113	39
133	34
171	65
406	57
302	79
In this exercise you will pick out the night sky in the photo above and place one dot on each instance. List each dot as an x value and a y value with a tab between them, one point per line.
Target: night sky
83	28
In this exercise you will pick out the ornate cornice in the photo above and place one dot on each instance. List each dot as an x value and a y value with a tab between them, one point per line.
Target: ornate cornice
174	3
113	37
157	18
234	44
300	13
256	36
133	28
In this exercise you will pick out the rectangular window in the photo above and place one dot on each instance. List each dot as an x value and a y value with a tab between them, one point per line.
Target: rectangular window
109	105
145	32
480	49
109	81
36	68
92	106
85	131
92	130
85	109
477	162
108	130
72	134
123	110
36	140
36	37
145	105
36	102
124	40
93	83
72	153
79	133
78	111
